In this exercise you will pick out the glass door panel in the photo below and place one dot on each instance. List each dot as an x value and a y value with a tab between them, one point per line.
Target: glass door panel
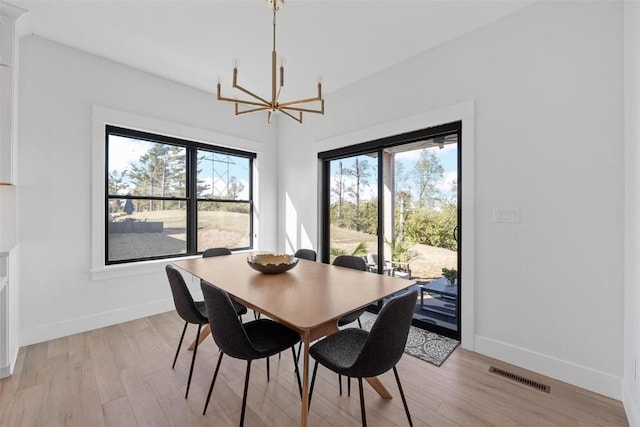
353	206
422	242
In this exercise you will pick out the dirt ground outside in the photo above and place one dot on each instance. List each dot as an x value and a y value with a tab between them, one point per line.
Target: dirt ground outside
215	229
231	229
427	263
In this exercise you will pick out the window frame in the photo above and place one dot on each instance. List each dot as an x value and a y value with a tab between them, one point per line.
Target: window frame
191	168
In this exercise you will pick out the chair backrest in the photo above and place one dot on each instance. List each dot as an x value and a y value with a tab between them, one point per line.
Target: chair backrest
226	328
372	259
387	338
182	298
216	252
309	254
350	261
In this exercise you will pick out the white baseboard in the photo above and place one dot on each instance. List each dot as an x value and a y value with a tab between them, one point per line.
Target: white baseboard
5	372
87	323
630	404
580	376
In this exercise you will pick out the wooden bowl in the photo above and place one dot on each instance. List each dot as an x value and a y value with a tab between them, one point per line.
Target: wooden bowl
272	263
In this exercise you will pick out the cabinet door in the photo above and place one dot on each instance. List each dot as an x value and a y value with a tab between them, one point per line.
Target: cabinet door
6	41
6	119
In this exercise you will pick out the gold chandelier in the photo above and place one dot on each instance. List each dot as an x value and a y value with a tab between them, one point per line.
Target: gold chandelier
293	109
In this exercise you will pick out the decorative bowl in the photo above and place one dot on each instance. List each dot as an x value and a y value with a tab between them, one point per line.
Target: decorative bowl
272	263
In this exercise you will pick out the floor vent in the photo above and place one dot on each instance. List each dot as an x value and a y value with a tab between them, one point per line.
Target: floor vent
520	379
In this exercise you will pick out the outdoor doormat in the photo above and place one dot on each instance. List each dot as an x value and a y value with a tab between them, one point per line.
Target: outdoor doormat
425	345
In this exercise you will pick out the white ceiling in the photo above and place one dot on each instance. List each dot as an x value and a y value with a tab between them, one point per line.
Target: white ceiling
193	42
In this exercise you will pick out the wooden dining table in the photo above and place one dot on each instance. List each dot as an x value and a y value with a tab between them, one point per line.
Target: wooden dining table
309	299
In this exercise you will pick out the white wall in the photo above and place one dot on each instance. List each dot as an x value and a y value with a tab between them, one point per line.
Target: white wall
546	83
59	87
631	379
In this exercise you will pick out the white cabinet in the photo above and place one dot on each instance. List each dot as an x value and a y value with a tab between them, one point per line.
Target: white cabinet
9	280
8	14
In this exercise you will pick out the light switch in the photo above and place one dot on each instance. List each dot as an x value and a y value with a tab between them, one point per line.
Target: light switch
506	215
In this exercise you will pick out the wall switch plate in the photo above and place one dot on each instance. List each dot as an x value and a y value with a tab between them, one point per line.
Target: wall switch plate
506	215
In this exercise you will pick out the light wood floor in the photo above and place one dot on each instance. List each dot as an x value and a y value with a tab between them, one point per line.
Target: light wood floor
121	376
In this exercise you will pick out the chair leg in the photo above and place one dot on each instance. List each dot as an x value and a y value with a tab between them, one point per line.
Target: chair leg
299	352
193	360
293	350
340	383
179	344
313	381
213	381
349	386
404	401
359	323
267	369
244	396
364	416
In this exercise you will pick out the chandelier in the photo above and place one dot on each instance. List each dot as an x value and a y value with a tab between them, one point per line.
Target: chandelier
292	109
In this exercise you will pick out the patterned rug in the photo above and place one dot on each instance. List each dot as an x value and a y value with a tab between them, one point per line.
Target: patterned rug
425	345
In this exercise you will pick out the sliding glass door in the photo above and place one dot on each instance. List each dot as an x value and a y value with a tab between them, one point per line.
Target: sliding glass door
353	211
395	203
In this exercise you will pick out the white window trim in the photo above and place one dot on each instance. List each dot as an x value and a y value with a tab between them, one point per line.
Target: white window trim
101	117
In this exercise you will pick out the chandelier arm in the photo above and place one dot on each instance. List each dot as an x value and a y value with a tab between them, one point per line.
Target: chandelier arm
302	110
248	92
244	102
286	113
300	101
252	110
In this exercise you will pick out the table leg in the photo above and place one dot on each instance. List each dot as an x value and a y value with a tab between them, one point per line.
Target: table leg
379	387
206	330
304	415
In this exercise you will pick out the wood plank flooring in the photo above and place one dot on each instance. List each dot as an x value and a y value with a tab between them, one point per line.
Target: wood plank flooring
121	376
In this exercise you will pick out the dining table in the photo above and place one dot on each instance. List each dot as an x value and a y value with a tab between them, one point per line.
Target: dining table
310	298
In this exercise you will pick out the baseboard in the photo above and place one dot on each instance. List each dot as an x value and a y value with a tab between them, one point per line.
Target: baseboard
562	370
5	372
88	323
630	405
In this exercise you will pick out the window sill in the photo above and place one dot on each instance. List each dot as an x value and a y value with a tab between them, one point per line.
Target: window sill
140	268
133	269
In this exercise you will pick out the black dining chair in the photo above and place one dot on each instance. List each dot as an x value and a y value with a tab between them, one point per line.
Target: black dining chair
211	252
356	263
189	310
308	254
256	339
360	354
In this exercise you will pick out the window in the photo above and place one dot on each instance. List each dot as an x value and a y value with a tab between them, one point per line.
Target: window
168	197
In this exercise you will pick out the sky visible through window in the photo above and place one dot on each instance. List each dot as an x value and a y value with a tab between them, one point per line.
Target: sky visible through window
126	152
447	157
